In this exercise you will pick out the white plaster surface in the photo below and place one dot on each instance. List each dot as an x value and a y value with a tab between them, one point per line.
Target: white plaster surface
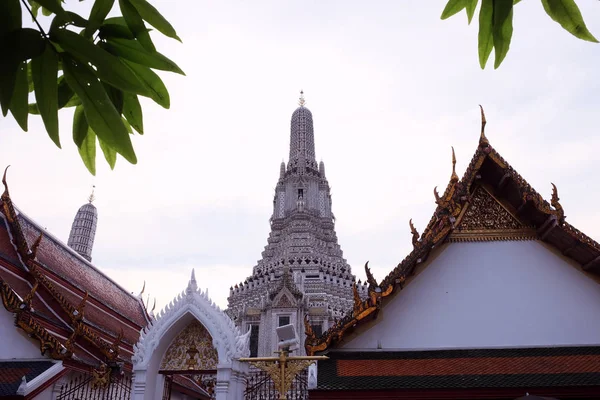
489	294
15	343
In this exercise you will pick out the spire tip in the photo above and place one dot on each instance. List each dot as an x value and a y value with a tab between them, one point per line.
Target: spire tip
301	100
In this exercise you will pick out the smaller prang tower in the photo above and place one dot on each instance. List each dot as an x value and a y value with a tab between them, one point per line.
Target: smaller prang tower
83	230
302	273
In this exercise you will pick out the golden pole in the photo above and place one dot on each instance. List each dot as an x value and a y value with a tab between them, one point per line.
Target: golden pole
283	369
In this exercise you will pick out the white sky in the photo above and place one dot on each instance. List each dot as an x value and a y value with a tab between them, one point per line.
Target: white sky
391	88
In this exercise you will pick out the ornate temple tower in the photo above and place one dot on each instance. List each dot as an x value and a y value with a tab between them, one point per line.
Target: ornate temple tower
83	230
302	271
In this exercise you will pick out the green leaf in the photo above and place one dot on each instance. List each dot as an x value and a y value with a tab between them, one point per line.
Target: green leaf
132	110
80	126
75	101
87	151
33	109
18	104
10	16
109	154
15	47
44	71
567	14
29	78
108	67
115	96
453	7
35	8
136	24
133	51
471	5
502	30
127	125
100	10
100	113
154	18
485	37
115	31
155	86
65	93
53	6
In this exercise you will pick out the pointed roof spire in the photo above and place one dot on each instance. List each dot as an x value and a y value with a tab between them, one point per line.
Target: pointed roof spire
192	285
482	138
301	100
92	197
454	177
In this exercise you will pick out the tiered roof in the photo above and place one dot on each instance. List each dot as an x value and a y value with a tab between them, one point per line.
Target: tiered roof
72	309
459	216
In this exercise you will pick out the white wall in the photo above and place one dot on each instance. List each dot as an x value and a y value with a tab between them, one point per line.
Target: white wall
15	343
489	294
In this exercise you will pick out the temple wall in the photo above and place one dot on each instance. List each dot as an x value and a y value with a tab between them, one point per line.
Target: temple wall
15	343
489	294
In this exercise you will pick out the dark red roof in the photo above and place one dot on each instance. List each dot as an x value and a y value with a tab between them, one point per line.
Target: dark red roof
58	258
73	299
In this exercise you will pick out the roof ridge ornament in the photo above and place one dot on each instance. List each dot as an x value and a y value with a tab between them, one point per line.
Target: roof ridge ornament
482	139
454	177
414	232
301	100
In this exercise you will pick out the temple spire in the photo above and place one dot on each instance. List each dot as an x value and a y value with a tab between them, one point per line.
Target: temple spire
302	139
83	230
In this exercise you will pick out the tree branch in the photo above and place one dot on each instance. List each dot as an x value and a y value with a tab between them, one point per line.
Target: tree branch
34	18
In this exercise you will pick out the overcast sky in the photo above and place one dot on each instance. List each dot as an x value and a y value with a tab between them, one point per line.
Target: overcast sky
391	88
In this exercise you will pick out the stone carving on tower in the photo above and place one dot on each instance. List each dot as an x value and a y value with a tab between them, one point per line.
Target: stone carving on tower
302	272
83	230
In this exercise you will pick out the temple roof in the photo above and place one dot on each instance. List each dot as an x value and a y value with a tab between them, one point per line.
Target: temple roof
61	299
460	369
527	215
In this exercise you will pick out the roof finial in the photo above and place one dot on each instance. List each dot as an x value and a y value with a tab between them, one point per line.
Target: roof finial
143	289
301	100
92	197
454	177
482	138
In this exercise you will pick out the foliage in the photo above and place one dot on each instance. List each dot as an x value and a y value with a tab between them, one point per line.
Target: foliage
495	23
98	65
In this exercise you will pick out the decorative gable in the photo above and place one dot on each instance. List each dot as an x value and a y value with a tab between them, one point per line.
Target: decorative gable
484	218
284	301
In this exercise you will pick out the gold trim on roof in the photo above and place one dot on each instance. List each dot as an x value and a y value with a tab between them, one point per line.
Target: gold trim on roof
110	350
451	208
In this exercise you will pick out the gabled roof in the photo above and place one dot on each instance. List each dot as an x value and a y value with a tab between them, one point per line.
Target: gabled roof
61	299
522	213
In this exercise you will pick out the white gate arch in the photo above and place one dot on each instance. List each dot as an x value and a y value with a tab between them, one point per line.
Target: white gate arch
155	339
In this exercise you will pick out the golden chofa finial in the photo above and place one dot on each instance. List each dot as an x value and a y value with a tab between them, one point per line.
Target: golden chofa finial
454	177
482	138
92	196
301	100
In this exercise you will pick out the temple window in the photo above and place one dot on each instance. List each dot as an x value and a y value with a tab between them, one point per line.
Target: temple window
283	320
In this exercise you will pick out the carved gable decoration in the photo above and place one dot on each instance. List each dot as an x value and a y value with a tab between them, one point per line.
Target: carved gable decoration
485	219
194	341
284	302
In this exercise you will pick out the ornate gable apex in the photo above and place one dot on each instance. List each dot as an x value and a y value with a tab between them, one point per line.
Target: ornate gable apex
485	218
490	172
284	299
229	342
